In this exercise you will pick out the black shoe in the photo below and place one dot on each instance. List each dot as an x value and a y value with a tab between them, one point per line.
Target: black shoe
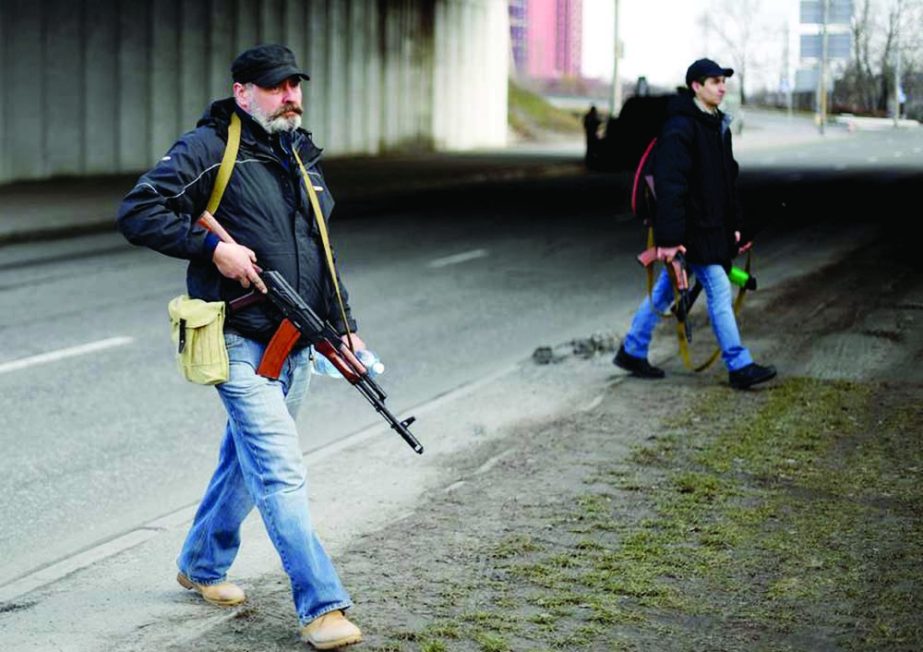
751	375
639	367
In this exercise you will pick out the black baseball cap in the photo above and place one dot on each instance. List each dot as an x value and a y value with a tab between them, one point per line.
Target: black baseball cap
266	66
703	68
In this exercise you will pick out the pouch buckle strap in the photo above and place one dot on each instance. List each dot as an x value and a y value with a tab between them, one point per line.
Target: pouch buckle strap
182	335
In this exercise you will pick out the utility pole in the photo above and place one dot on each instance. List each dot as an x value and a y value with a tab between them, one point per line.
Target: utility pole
615	99
786	78
822	76
897	75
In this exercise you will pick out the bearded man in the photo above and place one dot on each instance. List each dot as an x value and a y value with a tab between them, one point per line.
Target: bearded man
266	209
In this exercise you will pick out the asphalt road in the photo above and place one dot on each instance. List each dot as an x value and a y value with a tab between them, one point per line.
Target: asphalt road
96	442
99	434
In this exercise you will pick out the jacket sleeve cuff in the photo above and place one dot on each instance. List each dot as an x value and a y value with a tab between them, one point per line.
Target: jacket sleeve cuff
210	244
667	240
353	326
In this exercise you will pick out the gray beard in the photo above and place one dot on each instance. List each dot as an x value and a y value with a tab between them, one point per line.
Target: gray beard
275	125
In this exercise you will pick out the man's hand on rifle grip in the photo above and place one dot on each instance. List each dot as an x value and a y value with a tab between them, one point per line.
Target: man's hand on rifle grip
239	263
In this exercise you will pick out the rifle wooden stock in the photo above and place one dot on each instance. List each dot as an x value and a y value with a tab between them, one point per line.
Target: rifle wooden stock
208	221
678	269
647	257
677	266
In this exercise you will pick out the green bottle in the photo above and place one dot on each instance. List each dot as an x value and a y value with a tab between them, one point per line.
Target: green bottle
742	279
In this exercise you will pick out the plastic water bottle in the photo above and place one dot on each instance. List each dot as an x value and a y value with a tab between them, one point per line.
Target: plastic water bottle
370	361
323	366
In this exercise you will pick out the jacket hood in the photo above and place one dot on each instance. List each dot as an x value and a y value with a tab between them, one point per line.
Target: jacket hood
218	113
684	104
218	116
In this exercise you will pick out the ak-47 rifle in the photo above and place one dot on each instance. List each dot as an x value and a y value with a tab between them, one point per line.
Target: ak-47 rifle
736	276
299	320
680	279
687	297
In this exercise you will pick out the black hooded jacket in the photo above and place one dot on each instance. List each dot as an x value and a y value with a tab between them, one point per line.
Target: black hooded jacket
695	176
264	207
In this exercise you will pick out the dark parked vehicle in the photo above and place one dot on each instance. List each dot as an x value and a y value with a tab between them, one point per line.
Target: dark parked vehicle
628	135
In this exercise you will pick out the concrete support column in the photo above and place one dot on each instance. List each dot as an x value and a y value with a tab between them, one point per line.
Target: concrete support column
24	92
470	92
100	138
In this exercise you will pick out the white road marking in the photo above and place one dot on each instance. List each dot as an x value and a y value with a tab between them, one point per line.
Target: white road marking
60	354
458	258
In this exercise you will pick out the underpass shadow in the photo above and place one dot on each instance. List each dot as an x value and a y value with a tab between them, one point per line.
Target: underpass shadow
788	198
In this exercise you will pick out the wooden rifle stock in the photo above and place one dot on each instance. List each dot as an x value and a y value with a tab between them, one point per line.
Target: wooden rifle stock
208	221
677	266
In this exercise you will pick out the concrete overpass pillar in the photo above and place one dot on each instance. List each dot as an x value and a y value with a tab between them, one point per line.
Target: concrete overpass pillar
470	86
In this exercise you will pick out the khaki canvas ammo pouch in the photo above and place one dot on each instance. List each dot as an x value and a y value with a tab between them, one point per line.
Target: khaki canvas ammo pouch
197	329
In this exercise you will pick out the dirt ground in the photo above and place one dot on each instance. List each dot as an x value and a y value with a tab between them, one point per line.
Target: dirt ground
679	514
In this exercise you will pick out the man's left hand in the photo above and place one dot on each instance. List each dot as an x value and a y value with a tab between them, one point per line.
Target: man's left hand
357	343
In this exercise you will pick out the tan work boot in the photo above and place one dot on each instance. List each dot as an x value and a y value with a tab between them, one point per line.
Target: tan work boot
330	631
225	594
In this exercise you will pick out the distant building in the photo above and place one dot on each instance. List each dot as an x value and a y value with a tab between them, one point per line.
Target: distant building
546	38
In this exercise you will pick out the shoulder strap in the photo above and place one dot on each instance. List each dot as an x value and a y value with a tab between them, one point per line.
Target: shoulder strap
227	164
325	239
221	182
641	175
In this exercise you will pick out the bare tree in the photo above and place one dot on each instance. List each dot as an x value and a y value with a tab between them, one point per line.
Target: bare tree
892	34
735	23
879	28
859	84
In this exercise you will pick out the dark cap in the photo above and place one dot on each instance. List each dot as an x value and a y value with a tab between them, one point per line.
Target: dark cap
705	68
266	66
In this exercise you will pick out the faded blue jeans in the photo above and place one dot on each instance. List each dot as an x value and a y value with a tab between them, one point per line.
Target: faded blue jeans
717	288
260	463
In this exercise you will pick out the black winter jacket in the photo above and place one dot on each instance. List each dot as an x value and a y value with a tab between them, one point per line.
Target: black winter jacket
695	176
265	207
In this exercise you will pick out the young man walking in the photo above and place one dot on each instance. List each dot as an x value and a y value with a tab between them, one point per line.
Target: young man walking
698	215
266	209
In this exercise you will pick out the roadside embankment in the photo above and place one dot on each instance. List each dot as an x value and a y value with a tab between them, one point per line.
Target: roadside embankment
676	515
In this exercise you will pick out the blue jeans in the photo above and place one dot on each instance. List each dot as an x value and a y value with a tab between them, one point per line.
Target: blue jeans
260	463
717	288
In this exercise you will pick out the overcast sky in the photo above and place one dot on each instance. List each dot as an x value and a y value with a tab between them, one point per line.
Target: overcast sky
662	37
